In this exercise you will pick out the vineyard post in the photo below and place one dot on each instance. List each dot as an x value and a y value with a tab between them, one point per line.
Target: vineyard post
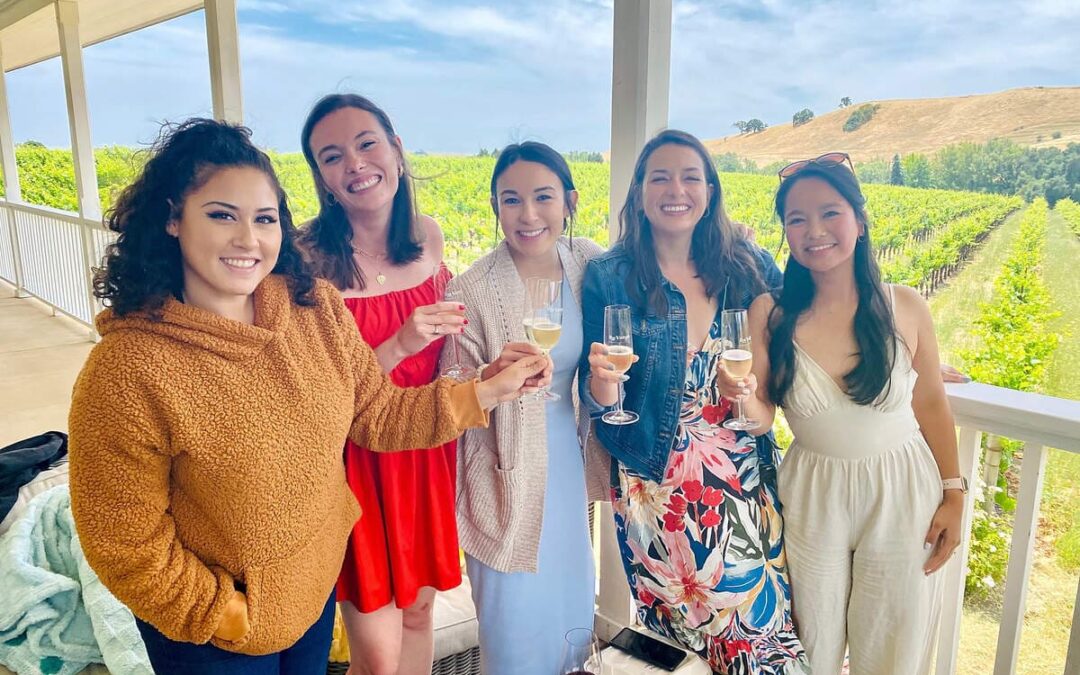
223	47
82	149
640	79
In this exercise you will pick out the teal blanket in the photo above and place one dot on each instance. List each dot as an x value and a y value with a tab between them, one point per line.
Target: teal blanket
56	617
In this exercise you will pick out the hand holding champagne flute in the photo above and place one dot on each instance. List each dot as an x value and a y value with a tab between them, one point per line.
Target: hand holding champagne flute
619	341
543	320
737	360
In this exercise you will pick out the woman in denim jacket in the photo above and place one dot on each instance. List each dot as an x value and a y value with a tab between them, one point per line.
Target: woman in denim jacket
695	505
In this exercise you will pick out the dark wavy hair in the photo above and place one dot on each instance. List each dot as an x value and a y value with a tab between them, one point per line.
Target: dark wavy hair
143	267
531	151
327	238
721	252
873	326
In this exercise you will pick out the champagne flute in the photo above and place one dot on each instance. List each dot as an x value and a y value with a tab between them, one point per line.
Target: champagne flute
543	320
737	359
581	653
619	340
455	370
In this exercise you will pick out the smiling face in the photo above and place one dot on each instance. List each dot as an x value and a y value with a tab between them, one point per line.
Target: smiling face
532	207
230	236
821	226
675	193
358	163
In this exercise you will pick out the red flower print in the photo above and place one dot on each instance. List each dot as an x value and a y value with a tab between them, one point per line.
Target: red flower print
712	497
677	504
645	597
713	414
692	490
673	522
733	648
710	518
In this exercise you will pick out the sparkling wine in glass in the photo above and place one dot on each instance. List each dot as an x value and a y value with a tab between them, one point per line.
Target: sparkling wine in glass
543	320
581	653
455	370
737	360
619	340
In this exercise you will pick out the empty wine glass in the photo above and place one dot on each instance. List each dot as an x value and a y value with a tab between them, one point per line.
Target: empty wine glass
455	370
581	653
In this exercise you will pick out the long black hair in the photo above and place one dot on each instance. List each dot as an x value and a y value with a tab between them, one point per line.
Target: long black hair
874	328
143	268
721	252
328	236
531	151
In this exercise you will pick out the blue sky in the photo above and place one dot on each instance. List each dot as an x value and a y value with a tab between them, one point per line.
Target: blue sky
457	76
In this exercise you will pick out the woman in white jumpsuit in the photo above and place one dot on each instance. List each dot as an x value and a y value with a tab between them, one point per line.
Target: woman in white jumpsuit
870	489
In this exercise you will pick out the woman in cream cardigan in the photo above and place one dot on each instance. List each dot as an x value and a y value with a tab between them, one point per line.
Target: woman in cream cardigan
522	495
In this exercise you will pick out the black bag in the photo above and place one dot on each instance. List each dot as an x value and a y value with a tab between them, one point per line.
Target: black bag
20	462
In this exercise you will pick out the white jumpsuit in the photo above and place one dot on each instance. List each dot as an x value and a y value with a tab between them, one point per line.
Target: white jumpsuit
859	488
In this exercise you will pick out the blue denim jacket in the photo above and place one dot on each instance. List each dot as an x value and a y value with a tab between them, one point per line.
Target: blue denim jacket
657	380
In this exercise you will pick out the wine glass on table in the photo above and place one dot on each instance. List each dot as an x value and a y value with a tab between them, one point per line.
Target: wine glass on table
542	320
619	340
581	653
455	370
737	360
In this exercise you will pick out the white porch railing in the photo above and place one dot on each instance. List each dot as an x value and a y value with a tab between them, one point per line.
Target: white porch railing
1042	422
48	253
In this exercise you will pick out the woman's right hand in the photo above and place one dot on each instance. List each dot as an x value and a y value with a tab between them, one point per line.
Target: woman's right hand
428	323
511	382
600	366
234	622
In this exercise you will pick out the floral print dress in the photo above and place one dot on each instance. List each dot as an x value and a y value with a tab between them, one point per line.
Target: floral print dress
703	550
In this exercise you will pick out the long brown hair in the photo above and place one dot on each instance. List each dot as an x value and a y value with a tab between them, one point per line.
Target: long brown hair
327	238
720	250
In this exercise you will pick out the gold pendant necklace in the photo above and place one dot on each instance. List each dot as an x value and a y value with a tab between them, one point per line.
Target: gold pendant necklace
380	278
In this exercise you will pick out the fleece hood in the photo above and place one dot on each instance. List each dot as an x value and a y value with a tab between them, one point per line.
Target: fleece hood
227	338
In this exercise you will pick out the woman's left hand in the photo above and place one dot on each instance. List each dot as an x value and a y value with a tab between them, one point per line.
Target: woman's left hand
513	352
944	534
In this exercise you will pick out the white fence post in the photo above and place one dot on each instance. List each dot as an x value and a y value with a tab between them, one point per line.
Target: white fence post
1025	524
952	609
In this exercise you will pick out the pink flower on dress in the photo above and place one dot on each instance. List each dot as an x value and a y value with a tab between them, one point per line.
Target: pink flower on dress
680	584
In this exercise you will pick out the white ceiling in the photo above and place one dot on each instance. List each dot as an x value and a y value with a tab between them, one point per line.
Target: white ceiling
29	32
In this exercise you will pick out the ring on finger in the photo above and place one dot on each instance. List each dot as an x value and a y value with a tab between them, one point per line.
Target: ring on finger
437	330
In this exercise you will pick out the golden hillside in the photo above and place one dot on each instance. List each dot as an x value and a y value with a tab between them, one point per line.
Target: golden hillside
1028	116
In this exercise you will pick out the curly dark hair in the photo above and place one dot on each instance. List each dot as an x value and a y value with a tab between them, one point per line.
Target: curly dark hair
143	268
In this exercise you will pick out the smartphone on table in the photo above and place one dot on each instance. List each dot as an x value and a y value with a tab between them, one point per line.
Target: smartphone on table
648	649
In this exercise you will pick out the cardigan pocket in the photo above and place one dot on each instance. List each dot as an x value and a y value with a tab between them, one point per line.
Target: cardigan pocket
486	495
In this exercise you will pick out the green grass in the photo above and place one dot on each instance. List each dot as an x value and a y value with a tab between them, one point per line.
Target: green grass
955	307
1061	495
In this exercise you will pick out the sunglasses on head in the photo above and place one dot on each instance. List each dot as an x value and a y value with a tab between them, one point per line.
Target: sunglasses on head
828	160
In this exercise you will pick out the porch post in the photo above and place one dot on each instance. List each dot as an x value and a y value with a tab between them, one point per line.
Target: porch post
223	45
12	190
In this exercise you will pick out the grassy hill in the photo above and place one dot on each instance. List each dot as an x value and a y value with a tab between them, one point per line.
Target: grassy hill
1031	116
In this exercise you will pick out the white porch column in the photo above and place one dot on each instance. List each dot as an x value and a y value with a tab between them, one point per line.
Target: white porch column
223	45
12	191
640	79
82	149
641	71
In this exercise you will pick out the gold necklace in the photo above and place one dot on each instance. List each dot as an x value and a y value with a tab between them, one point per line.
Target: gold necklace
380	278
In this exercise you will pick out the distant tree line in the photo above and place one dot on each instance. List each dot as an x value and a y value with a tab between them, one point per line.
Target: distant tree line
999	166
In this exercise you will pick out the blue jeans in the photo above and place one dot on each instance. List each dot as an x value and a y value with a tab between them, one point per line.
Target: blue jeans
308	656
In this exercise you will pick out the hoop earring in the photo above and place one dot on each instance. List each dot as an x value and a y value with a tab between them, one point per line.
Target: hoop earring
330	198
400	170
862	237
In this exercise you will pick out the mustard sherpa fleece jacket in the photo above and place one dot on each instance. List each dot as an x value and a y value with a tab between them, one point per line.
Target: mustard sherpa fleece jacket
206	455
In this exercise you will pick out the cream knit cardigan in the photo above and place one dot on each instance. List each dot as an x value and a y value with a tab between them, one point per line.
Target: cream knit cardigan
502	469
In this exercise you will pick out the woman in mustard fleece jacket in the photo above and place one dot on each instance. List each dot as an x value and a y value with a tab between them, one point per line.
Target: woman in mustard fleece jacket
206	427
